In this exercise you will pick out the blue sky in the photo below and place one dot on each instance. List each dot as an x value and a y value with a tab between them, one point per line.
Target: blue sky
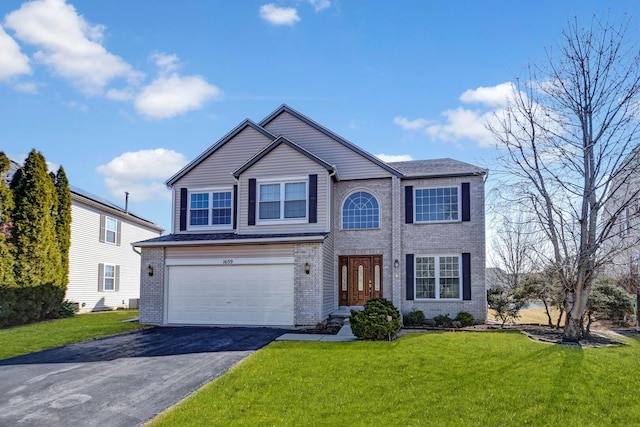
125	93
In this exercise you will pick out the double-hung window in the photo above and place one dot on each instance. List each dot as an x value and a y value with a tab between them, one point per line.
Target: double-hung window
111	230
282	201
438	277
109	277
437	204
210	209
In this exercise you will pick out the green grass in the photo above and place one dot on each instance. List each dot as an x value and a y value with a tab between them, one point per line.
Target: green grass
441	379
25	339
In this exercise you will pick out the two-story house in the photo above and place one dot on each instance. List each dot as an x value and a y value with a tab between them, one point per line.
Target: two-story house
104	268
281	222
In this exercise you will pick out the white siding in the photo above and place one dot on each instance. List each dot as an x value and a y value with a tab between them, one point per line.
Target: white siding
87	252
350	164
216	169
283	162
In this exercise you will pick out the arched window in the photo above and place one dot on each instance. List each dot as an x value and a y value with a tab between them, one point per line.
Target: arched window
360	210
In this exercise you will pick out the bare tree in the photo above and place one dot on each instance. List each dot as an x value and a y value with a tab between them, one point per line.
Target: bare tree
568	143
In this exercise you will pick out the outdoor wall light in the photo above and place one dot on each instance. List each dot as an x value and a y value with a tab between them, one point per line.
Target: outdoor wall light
396	264
307	268
150	270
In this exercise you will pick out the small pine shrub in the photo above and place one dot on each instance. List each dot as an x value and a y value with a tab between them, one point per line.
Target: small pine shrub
414	318
443	320
380	320
67	309
465	318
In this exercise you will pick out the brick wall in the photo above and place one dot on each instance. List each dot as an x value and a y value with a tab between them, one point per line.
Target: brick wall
152	287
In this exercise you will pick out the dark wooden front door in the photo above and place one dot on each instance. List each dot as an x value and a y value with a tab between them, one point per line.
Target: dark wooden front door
359	279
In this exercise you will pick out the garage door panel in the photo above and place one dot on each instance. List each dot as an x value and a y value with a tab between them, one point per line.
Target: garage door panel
234	295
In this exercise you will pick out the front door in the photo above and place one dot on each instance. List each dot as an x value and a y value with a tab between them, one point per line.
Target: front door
360	279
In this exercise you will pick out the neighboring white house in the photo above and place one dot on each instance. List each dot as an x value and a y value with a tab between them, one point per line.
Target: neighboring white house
104	269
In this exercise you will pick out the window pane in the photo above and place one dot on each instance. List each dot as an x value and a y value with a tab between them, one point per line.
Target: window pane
360	210
199	209
449	277
436	204
109	277
295	191
269	192
296	209
425	277
221	212
111	226
269	210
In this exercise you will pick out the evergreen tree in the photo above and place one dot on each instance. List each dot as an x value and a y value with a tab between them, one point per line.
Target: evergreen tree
63	224
37	254
6	208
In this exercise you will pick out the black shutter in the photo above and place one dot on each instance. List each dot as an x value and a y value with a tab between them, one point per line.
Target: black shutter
252	202
235	206
409	269
466	276
313	199
408	204
183	209
466	205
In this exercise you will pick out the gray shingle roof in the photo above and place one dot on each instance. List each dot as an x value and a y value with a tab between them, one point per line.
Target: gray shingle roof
437	167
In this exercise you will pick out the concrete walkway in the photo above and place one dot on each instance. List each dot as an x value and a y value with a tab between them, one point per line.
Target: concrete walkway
343	335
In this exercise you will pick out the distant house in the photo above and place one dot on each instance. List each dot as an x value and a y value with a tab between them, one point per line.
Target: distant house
283	222
104	268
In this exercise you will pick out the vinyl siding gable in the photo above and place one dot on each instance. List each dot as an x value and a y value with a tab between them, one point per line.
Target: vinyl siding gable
283	163
350	164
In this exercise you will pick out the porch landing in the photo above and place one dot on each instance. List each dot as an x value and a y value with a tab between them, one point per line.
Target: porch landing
344	334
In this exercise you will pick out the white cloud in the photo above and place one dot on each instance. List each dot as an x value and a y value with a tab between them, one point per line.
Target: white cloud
319	5
120	94
495	96
279	15
171	96
27	87
142	173
69	45
463	123
394	157
12	62
165	62
407	124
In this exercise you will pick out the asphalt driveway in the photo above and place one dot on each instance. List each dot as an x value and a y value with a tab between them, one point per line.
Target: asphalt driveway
122	380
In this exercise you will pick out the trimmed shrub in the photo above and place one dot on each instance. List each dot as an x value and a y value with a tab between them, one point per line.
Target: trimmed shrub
443	320
465	318
29	304
414	318
380	320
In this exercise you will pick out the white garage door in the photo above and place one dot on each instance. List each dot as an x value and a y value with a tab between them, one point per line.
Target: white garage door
239	294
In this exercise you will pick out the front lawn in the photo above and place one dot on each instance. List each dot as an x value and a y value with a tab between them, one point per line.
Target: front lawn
25	339
453	378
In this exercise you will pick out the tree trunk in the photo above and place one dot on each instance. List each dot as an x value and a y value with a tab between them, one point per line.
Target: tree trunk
546	309
572	329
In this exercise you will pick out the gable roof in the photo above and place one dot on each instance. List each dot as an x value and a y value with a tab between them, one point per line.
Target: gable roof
436	168
285	108
269	148
235	131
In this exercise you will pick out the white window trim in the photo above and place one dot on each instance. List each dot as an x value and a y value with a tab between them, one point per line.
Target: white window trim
209	226
361	190
106	230
282	182
437	269
448	221
104	278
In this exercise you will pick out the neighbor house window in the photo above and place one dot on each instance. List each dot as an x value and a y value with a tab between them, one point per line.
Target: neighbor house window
282	201
210	209
360	210
108	277
437	204
111	230
437	277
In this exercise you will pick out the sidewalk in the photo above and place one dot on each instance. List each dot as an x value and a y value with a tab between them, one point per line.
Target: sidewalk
343	335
